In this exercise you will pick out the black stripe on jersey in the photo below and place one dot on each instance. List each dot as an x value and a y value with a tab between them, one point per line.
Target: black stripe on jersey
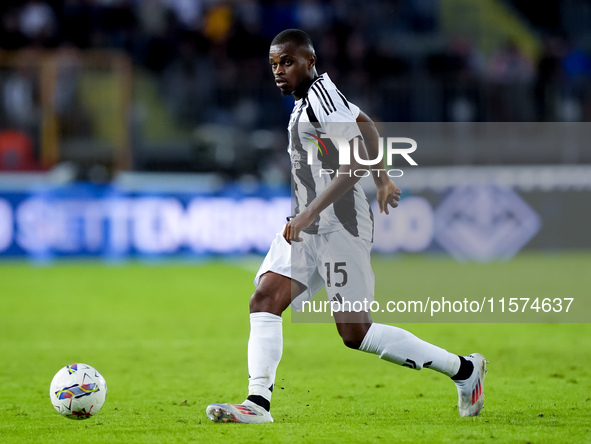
324	98
311	116
327	94
331	160
320	99
304	173
344	210
344	100
344	207
295	206
371	218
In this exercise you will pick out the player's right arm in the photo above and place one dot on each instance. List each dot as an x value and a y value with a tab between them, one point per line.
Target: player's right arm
387	191
342	182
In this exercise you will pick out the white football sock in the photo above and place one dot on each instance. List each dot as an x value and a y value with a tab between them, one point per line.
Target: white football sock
403	348
265	346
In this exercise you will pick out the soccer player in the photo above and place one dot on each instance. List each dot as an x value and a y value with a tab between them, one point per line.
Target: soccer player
328	241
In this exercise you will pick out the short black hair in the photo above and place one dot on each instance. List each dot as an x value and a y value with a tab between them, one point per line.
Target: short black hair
297	36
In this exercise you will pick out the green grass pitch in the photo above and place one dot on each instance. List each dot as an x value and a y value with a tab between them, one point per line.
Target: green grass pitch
171	339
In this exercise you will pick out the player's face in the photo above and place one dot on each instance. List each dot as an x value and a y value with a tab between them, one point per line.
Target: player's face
291	66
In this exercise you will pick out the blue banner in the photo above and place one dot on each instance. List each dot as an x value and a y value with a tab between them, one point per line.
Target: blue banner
470	222
103	221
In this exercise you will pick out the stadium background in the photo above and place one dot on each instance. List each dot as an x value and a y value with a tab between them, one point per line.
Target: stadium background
107	102
150	132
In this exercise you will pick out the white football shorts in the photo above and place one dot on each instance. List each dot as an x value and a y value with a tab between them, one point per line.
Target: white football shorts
338	261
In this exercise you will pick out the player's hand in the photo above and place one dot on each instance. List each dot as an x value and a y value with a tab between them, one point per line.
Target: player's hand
295	226
388	194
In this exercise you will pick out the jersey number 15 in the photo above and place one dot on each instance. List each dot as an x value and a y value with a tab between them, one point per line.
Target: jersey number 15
339	268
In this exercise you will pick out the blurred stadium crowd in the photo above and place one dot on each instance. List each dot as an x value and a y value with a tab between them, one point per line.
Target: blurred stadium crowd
400	60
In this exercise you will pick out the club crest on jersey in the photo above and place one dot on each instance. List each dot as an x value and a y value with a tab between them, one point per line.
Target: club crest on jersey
295	160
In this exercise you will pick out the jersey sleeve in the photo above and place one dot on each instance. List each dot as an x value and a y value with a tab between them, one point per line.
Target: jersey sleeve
355	110
333	111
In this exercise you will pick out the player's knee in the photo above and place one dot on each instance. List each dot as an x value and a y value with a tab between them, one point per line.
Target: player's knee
259	300
263	300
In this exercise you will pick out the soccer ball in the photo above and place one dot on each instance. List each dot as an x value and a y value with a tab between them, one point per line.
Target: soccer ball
78	391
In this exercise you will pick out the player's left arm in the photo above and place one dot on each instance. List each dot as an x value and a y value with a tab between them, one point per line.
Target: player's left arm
387	191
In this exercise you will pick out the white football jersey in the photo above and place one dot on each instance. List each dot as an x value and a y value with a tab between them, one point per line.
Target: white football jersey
325	110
